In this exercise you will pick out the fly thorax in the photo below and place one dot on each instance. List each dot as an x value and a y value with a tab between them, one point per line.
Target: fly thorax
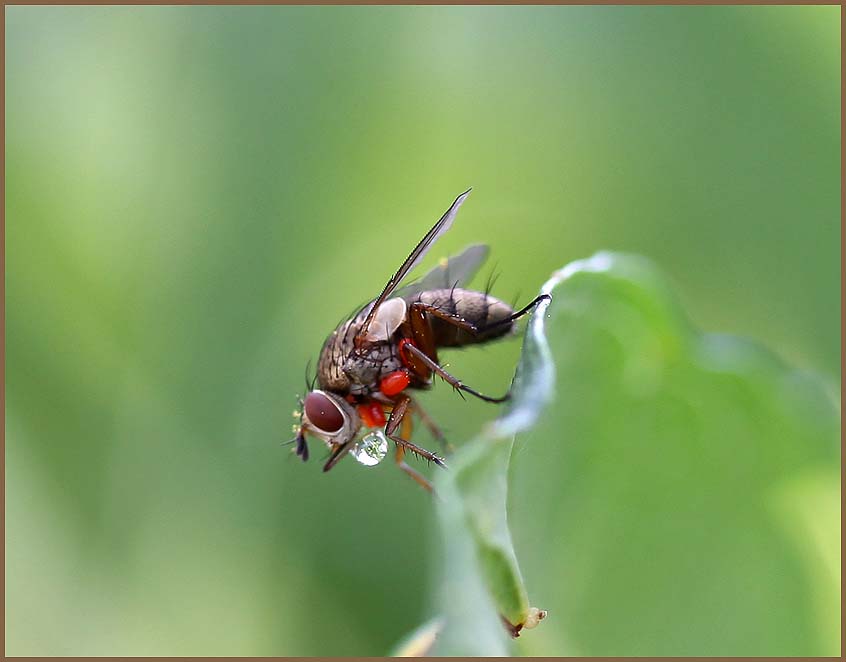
362	368
369	365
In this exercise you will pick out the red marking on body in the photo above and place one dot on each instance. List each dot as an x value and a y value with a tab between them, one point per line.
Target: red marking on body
372	414
402	353
394	382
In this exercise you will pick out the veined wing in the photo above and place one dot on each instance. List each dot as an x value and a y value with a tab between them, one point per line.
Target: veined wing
410	262
457	269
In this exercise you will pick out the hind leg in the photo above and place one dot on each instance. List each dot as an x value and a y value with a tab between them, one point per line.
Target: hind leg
453	381
525	309
422	357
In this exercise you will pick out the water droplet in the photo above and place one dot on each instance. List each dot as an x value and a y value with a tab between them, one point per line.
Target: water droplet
372	448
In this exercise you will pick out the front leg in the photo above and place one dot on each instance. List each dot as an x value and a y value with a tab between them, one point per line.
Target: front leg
338	451
399	412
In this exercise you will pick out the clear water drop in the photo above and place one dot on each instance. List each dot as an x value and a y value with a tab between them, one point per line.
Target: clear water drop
371	449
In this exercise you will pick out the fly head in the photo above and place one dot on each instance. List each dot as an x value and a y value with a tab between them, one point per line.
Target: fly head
327	416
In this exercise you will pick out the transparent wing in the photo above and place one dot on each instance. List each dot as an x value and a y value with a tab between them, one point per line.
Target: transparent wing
457	269
412	261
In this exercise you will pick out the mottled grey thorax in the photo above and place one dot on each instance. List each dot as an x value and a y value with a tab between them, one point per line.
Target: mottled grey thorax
341	370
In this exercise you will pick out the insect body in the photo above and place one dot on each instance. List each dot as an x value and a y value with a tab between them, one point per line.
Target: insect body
370	362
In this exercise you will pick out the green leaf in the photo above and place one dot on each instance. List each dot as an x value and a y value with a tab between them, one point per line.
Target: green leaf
649	487
483	594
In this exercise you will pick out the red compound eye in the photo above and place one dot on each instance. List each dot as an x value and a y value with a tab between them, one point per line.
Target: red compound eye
323	413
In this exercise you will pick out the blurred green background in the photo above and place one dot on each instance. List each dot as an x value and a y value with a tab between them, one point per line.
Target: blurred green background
196	195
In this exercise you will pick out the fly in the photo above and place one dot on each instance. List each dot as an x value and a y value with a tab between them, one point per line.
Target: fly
369	363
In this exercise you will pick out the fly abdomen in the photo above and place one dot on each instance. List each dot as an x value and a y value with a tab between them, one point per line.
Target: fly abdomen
452	309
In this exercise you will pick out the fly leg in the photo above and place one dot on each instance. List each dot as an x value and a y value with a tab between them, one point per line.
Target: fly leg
422	357
513	317
416	476
400	410
337	453
453	381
